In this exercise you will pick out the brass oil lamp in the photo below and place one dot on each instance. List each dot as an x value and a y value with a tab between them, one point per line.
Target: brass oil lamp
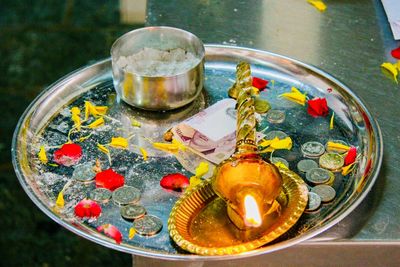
247	183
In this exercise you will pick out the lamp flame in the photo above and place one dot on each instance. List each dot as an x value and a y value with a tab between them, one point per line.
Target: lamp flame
251	212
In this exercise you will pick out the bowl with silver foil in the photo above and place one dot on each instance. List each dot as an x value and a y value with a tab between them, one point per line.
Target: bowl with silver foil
158	68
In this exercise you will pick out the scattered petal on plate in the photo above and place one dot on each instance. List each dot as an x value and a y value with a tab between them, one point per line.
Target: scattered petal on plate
347	169
132	233
75	112
337	147
60	200
111	231
87	208
68	155
42	155
391	69
295	96
280	165
109	179
331	122
396	53
317	107
103	149
119	142
276	143
97	123
174	181
144	153
202	169
351	156
259	83
135	123
168	147
96	111
318	4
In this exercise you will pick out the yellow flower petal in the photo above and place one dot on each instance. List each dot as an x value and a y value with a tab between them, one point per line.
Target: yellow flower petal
60	200
180	145
295	96
347	169
398	65
337	147
144	153
285	143
318	4
267	142
194	180
135	123
132	233
88	106
119	142
97	123
280	165
75	112
42	155
103	149
172	148
202	169
331	122
96	111
392	69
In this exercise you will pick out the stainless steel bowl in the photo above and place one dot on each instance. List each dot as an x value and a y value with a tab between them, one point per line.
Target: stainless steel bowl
158	92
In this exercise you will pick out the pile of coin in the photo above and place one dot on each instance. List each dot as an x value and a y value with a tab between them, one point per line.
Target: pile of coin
127	198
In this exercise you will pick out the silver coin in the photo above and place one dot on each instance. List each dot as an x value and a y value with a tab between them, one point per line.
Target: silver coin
340	151
326	192
272	134
276	116
126	195
305	165
314	202
147	225
312	149
318	176
281	160
331	161
132	211
83	172
101	195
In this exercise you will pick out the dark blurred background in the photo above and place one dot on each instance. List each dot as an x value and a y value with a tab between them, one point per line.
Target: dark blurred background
41	41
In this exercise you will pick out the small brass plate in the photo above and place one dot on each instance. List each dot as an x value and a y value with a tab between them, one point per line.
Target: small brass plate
199	222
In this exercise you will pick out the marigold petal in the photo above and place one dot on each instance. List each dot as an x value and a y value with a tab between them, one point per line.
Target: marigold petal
285	143
318	4
135	123
60	200
295	96
392	69
280	165
119	142
194	180
172	148
144	153
42	155
103	149
75	112
132	233
337	147
97	123
202	169
347	169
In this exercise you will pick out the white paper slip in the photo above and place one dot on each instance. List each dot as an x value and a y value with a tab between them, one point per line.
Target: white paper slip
392	9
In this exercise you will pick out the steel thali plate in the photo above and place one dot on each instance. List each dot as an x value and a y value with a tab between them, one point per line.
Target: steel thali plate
47	122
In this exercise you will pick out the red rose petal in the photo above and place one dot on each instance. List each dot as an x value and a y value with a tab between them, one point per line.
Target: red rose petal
396	53
174	181
317	107
109	179
111	231
259	83
68	155
351	156
87	208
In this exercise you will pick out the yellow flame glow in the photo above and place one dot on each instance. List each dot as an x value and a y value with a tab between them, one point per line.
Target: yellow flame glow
251	212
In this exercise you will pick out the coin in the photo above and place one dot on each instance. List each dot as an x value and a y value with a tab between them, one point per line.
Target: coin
147	225
326	192
305	165
281	160
314	202
331	161
132	211
312	149
261	105
337	150
276	116
101	195
126	195
318	176
83	172
272	134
